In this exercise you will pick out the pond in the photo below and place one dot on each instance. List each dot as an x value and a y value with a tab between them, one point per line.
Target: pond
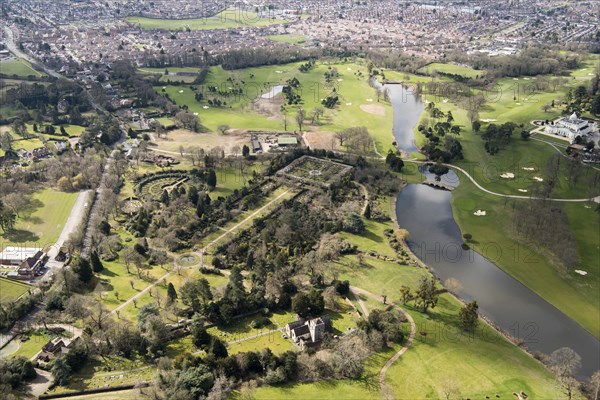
435	238
275	90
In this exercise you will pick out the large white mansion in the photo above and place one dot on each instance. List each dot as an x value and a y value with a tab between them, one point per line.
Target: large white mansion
571	127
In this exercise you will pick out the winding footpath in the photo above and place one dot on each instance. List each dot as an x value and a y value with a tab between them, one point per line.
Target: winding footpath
411	336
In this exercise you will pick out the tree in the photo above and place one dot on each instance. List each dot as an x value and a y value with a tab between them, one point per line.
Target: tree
426	295
196	294
245	151
308	305
468	316
96	263
6	142
564	362
300	116
211	178
61	372
171	293
83	270
200	336
405	294
353	223
217	348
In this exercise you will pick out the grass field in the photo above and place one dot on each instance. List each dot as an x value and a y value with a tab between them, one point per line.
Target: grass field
288	38
41	224
351	86
18	67
454	69
11	290
230	18
32	346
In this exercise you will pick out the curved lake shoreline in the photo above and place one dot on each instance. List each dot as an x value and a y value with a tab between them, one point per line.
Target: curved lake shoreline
435	239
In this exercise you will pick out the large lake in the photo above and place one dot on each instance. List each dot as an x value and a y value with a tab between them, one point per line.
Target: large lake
436	239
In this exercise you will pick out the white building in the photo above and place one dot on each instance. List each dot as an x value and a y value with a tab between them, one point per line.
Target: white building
571	127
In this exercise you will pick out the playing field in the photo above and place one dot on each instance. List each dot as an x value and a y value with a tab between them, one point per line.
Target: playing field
42	222
230	18
18	67
11	290
453	69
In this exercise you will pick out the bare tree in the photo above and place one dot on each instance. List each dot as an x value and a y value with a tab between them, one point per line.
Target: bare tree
300	116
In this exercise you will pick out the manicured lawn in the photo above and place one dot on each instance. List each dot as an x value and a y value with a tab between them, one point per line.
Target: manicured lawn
11	290
230	18
31	347
42	223
18	67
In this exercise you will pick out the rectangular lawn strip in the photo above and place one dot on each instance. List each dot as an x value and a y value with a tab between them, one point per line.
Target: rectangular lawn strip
229	179
576	296
11	290
131	394
32	346
41	225
18	67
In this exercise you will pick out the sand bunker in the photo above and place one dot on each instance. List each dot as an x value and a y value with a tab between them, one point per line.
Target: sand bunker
206	107
507	175
279	72
181	91
523	190
480	213
195	113
489	120
537	178
373	109
445	101
340	80
348	104
528	169
369	100
580	272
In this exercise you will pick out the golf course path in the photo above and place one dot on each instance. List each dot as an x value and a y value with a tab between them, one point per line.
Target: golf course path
411	336
511	196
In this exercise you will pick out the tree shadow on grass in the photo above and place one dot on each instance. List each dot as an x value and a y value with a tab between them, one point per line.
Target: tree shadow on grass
20	236
372	236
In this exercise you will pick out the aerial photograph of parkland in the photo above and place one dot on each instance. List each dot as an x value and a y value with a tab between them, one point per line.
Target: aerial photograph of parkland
300	199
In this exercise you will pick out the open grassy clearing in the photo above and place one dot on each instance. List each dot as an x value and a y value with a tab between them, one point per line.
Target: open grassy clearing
453	69
575	295
11	290
229	18
18	67
41	224
177	138
288	38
